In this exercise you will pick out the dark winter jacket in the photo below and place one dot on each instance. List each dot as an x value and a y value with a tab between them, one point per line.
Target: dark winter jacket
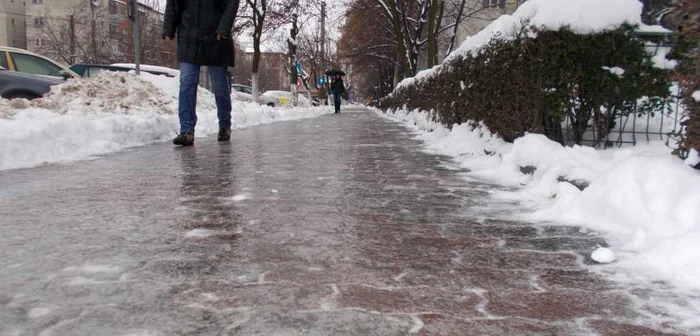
196	24
338	86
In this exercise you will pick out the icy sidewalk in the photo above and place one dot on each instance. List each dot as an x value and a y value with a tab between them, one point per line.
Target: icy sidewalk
328	226
642	198
109	113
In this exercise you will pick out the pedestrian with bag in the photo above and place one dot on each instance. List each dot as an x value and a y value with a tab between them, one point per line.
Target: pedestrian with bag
202	29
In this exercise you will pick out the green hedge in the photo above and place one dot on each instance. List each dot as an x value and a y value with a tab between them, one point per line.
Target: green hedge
689	70
530	84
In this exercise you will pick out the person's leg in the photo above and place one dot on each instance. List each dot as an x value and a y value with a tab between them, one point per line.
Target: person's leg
336	101
187	108
221	86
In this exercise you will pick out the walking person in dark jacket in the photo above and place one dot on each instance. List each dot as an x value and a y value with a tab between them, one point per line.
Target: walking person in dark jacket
202	29
338	87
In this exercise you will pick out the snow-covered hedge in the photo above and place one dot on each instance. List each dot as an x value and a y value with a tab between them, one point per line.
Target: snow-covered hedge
690	75
526	72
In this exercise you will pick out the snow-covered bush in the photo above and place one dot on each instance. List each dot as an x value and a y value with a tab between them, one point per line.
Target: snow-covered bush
530	82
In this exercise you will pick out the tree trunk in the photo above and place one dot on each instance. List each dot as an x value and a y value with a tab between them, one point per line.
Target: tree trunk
455	29
432	15
401	41
256	87
257	35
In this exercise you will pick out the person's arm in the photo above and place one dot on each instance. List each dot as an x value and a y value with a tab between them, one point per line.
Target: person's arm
170	20
227	19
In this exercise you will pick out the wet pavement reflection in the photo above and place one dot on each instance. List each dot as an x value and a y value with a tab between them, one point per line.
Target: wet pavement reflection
329	226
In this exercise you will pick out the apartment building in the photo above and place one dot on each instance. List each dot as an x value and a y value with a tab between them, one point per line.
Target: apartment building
12	24
73	31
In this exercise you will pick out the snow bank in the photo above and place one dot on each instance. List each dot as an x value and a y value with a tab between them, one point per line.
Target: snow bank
111	112
581	16
645	199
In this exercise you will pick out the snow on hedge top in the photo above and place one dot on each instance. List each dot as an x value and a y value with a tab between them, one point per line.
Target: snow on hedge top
581	16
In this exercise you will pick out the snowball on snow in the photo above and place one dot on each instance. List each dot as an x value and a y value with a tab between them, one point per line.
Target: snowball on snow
603	255
693	158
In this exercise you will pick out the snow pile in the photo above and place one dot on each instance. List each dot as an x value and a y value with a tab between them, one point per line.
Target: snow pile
110	92
581	16
646	199
111	112
696	96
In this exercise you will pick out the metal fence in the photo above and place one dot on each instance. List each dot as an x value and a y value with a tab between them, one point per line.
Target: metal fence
631	128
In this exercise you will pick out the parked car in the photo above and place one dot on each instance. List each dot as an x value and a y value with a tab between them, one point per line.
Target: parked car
21	60
152	69
91	70
283	98
20	85
242	92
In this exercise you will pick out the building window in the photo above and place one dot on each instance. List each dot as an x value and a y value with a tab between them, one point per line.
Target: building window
39	42
494	3
39	21
13	22
113	7
113	29
37	2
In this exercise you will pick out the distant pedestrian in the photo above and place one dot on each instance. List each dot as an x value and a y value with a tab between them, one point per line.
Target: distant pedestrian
202	29
338	88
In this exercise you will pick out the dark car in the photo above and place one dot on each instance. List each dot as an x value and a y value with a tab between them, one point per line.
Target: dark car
91	70
20	85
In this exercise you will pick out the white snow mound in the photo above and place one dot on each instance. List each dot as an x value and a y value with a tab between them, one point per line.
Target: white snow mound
111	112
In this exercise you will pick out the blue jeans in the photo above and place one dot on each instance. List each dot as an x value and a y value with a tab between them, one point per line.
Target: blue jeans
189	81
336	101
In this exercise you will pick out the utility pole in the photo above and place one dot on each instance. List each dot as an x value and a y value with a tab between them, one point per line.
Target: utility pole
133	14
71	43
94	31
323	94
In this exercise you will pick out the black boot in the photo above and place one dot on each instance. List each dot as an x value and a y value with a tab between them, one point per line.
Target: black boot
184	139
224	134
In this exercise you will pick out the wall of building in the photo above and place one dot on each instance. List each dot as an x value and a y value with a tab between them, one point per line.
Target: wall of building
12	24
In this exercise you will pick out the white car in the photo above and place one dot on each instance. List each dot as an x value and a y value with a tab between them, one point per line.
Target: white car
282	98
